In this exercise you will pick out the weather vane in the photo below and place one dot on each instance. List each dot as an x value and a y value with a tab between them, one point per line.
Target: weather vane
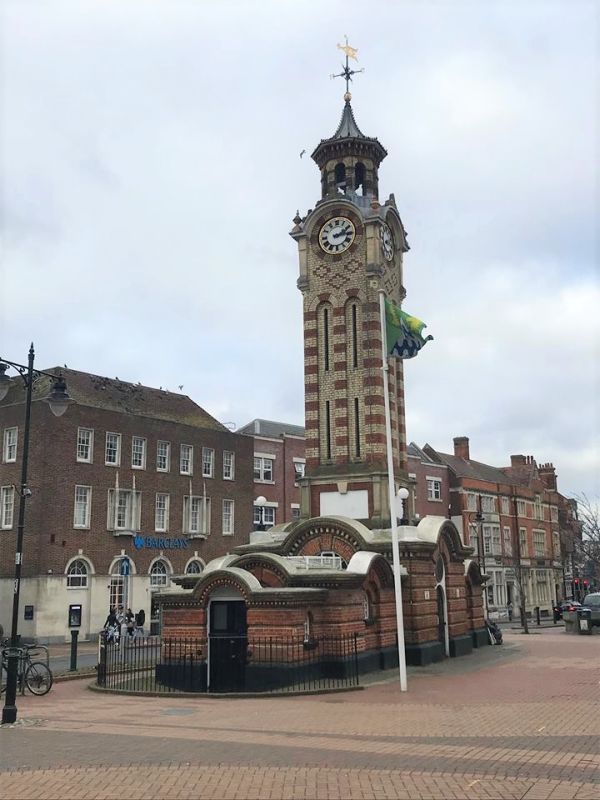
347	73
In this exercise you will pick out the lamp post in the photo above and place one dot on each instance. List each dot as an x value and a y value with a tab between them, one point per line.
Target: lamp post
58	400
261	502
479	519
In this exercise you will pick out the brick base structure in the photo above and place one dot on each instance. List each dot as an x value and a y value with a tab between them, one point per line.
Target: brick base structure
291	590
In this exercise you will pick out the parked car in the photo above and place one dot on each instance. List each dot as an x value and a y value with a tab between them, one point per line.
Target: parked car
593	601
565	605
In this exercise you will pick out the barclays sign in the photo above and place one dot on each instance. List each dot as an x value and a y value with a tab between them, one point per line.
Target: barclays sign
159	543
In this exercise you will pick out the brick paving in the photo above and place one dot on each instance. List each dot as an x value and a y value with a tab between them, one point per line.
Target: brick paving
521	721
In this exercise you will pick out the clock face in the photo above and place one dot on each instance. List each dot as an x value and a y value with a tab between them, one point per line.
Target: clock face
387	241
337	235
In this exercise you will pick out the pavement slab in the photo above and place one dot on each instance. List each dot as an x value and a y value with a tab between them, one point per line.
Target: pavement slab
517	721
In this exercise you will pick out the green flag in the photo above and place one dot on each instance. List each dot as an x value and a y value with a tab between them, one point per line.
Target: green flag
404	333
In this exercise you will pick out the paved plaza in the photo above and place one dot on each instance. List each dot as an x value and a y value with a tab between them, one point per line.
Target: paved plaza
518	721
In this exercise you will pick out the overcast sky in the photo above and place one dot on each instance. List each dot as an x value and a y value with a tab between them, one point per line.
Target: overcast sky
151	171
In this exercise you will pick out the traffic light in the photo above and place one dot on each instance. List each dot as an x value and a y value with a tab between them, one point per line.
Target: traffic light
575	588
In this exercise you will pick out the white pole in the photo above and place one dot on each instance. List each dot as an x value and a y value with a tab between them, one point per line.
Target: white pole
392	493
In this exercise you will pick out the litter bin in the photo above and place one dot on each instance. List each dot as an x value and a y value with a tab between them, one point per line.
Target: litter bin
584	620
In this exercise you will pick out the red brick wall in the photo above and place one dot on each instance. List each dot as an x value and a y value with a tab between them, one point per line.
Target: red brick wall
50	538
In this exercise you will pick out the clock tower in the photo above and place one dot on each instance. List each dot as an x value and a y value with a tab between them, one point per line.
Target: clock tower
351	246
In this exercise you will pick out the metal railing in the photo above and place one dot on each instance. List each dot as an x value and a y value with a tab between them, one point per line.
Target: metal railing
228	664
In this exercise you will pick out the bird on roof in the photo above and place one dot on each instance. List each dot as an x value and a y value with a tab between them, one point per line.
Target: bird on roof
180	386
302	153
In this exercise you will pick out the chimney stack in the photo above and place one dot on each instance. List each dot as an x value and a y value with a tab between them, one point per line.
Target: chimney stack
461	447
547	474
518	461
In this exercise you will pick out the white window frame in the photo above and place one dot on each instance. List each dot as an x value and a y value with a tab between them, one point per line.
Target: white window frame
161	510
82	576
196	515
7	508
269	511
471	501
167	455
228	465
142	452
434	488
538	511
521	508
228	517
553	514
208	462
81	459
159	569
117	461
504	505
188	459
488	504
10	445
133	509
261	468
487	539
88	507
507	540
523	543
496	541
473	538
195	561
539	537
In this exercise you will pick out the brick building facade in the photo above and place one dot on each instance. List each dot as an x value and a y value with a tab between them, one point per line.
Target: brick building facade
131	486
519	528
279	463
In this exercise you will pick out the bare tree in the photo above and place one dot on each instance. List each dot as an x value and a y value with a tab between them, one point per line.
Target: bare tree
588	546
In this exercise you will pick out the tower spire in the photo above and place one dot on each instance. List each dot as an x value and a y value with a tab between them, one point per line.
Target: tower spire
347	72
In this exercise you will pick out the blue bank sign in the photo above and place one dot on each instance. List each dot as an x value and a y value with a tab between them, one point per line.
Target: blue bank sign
159	543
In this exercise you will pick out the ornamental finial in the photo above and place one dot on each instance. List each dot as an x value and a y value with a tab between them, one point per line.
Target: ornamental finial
347	72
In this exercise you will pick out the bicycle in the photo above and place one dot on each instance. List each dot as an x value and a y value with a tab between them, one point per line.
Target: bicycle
35	675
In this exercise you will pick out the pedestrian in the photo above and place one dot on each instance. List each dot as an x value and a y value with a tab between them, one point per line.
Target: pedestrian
129	621
140	619
112	628
509	608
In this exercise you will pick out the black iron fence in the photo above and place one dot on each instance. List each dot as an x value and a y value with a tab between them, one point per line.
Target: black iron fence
228	664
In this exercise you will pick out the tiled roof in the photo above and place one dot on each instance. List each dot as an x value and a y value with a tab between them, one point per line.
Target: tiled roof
416	452
468	469
113	394
271	430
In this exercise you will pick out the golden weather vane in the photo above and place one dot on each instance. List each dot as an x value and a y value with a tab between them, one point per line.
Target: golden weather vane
347	72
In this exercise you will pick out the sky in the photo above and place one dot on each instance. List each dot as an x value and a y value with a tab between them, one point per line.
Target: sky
150	160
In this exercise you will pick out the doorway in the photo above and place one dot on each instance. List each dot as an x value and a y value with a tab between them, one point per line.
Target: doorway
228	645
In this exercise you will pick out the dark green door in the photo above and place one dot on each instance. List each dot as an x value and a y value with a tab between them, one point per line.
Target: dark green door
228	645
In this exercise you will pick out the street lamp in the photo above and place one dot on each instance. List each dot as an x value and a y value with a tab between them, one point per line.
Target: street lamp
479	519
403	497
261	502
58	400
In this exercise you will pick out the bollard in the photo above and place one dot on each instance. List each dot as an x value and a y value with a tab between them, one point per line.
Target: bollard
74	635
537	615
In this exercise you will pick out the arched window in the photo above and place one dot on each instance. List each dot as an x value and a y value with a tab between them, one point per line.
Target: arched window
159	575
366	607
340	176
308	620
77	575
119	582
194	568
359	178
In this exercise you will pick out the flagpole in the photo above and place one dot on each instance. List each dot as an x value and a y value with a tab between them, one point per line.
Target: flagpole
392	493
